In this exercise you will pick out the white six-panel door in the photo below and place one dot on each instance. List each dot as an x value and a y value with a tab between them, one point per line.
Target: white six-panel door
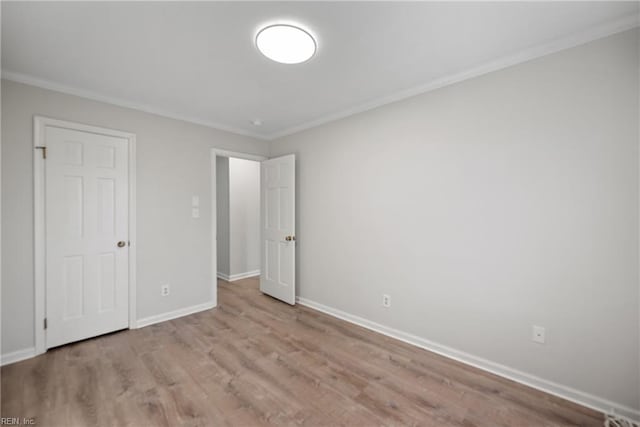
278	273
86	228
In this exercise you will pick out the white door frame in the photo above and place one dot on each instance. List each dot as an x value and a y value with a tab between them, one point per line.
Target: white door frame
39	125
215	152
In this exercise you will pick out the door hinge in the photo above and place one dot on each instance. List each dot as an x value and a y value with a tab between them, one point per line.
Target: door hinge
44	151
45	323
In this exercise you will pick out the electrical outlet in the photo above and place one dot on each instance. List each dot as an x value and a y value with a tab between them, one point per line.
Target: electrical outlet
164	290
538	334
386	300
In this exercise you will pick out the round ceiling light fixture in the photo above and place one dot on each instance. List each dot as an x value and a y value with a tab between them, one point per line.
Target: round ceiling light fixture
286	44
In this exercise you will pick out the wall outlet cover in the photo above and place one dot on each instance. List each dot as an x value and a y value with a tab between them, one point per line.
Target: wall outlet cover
538	334
164	290
386	300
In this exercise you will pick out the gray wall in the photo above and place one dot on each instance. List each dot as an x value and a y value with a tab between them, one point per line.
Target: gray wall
222	209
244	201
173	156
486	207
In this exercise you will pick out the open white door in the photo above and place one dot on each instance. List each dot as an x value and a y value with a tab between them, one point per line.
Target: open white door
278	217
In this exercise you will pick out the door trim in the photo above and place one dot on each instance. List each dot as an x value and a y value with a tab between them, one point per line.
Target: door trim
39	125
215	152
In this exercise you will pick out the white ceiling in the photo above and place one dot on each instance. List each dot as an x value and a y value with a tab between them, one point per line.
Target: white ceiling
197	61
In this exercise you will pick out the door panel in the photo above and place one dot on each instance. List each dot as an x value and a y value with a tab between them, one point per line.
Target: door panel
277	183
73	287
86	204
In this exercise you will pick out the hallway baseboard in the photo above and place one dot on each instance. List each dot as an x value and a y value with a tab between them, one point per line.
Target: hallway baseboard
238	276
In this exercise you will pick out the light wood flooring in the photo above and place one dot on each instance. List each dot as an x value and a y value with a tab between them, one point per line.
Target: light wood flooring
256	361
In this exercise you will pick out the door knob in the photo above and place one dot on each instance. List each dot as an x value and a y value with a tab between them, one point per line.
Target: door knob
121	244
290	238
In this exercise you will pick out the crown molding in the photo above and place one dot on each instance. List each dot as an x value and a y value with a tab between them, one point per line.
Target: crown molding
57	87
592	34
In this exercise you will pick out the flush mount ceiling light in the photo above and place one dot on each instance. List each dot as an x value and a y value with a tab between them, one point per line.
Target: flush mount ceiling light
286	44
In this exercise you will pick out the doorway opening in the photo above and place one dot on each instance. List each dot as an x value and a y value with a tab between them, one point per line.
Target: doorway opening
238	218
268	201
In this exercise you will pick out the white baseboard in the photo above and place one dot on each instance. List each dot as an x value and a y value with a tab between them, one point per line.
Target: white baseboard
174	314
239	276
17	356
565	392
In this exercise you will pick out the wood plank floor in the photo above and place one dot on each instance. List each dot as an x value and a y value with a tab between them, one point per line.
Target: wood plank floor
256	361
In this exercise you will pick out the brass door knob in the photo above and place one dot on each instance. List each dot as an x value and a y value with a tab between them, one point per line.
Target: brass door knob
290	238
121	244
